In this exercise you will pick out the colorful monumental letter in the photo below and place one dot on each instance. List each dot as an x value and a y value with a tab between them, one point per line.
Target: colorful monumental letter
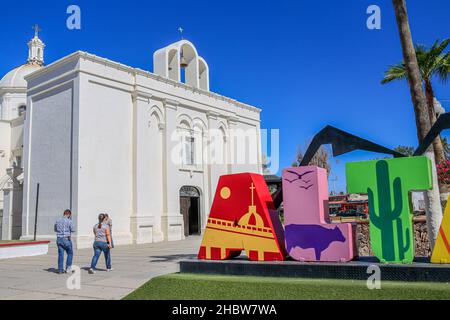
243	217
441	251
308	235
387	183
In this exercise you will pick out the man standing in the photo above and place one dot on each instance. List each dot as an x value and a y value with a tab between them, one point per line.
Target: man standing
64	229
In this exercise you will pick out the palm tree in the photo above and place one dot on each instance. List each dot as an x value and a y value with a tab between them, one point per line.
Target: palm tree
433	63
432	199
406	150
446	147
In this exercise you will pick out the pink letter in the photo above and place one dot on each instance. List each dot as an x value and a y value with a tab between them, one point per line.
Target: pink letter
309	236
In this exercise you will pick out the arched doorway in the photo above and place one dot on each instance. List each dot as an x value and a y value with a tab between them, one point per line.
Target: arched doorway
190	209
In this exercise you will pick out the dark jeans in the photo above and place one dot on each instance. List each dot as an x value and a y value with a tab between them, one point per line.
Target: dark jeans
64	245
100	247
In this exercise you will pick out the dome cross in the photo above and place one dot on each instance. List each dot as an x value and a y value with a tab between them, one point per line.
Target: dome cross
36	29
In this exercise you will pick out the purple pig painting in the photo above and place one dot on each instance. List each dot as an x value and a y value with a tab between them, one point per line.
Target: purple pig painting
308	235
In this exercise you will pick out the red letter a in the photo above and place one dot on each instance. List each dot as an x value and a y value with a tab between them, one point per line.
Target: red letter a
243	217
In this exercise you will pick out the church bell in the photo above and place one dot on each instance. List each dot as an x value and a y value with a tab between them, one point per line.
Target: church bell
183	62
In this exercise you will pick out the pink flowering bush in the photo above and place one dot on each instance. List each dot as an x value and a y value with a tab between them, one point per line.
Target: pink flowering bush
443	172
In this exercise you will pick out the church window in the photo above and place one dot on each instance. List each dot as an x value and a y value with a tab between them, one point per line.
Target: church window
189	151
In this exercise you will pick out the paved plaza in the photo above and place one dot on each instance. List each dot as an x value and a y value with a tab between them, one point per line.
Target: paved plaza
35	277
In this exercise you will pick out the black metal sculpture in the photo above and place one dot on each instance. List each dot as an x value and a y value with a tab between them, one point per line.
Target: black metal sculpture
442	123
342	142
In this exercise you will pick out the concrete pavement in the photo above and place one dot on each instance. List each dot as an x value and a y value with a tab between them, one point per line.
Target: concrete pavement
35	277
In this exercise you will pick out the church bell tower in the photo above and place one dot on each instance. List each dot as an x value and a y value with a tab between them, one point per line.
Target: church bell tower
36	48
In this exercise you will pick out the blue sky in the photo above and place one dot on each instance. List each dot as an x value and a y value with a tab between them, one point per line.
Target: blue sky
305	63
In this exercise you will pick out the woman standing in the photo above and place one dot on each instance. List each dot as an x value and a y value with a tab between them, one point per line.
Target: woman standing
102	243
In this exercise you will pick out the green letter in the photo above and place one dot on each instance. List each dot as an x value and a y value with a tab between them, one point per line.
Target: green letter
388	183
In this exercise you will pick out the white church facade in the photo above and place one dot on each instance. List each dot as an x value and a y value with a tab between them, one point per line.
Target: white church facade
13	99
147	148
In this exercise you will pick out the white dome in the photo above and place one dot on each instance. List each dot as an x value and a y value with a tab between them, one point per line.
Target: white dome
15	78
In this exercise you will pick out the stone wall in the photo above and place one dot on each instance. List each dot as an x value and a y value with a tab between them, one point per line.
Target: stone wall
422	247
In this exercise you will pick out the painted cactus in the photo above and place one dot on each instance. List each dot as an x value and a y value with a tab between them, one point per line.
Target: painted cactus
389	213
387	183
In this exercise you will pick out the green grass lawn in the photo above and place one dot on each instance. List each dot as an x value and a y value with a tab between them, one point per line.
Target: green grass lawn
204	287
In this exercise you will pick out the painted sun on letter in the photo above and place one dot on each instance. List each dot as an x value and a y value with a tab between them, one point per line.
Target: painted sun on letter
225	193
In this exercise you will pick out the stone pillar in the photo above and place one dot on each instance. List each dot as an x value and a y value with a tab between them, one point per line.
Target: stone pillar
259	159
231	148
12	209
172	220
209	196
147	193
7	214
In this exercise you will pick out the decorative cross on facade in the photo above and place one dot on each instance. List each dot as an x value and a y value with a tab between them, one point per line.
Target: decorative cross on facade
180	29
36	29
252	188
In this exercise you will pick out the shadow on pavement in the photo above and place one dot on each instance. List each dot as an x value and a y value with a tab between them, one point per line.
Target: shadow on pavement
170	258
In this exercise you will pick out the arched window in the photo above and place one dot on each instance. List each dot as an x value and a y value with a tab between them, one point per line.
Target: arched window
189	70
189	150
188	143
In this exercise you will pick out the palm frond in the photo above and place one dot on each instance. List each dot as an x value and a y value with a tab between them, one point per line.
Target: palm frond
433	62
436	61
395	72
443	68
438	48
422	58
